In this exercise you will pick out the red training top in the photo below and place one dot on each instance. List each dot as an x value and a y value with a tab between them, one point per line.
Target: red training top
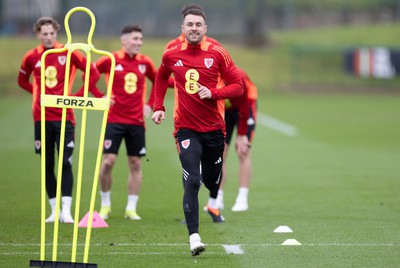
129	86
55	78
191	64
243	103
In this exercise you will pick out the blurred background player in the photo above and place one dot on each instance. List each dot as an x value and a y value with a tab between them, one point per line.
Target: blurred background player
240	112
126	117
46	29
198	118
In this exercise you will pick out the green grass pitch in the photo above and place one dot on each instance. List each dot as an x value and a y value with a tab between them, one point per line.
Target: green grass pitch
335	184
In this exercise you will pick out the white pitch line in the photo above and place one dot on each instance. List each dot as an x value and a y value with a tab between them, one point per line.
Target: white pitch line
397	244
233	249
277	125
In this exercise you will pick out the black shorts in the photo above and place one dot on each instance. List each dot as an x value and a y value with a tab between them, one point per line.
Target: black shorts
134	139
53	130
205	148
232	120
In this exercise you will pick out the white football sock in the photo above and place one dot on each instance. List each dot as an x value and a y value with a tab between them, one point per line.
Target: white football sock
66	203
52	202
243	193
212	203
132	202
105	198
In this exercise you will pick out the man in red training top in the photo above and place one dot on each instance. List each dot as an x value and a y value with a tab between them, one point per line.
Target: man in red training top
126	117
199	115
46	32
240	112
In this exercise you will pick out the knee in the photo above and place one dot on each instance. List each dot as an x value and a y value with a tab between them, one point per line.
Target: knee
135	163
108	162
192	183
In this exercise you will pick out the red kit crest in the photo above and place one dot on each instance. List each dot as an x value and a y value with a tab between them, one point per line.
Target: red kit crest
107	144
208	62
185	143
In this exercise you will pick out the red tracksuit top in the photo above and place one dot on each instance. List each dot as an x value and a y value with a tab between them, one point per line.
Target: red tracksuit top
129	86
55	78
243	103
191	64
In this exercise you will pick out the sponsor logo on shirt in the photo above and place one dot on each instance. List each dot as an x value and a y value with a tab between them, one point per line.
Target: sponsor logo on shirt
179	63
208	62
37	64
119	67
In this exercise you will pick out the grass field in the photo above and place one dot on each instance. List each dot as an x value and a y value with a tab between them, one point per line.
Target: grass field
335	182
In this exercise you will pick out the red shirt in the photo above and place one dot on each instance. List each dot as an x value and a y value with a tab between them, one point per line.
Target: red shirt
55	78
192	64
129	86
243	103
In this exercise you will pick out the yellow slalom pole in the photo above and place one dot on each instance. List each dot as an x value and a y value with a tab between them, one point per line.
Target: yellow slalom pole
87	48
43	154
99	154
85	103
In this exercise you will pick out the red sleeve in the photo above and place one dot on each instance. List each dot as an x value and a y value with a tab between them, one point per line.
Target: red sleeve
245	102
229	73
171	84
233	84
151	75
244	113
161	86
25	72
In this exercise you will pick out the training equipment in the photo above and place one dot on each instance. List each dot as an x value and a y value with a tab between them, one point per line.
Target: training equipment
64	102
283	229
105	212
291	242
97	221
132	215
215	215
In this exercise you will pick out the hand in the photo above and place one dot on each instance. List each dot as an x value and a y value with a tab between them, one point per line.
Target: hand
112	99
204	93
146	110
242	144
158	116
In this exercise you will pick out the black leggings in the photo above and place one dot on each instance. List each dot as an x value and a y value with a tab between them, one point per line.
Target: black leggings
53	130
201	159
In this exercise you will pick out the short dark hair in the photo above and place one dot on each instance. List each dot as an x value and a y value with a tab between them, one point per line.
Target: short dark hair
43	21
194	11
131	28
190	6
